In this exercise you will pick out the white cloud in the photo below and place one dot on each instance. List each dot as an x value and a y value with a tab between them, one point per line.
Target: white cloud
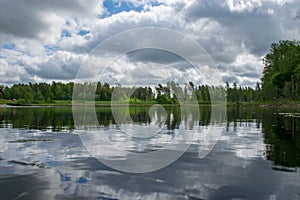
11	74
30	47
235	33
62	65
240	6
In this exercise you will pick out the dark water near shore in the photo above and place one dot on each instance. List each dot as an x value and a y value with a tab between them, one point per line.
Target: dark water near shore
257	156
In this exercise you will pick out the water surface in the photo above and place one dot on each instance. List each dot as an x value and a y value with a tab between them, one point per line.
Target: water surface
256	157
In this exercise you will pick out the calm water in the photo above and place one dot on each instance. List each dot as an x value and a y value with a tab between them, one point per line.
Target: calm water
257	156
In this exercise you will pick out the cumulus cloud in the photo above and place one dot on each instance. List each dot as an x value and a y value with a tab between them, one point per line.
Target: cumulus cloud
62	65
33	18
243	22
11	74
48	40
244	69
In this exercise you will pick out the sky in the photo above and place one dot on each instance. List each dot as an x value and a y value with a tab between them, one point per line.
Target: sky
45	41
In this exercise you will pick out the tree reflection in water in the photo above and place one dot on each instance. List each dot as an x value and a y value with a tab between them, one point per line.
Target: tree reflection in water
280	127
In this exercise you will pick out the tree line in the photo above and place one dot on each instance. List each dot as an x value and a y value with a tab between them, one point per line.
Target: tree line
169	93
280	81
48	93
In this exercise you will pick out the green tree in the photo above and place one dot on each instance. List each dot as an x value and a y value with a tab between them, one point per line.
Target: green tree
28	97
279	76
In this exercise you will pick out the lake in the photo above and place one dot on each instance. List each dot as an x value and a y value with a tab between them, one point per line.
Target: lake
256	155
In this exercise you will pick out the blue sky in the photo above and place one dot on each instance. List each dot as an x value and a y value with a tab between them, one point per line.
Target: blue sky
114	7
10	46
37	45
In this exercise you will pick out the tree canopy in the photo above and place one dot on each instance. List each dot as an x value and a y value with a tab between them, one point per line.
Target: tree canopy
281	75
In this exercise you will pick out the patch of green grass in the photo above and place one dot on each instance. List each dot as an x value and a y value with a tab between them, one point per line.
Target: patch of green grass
5	101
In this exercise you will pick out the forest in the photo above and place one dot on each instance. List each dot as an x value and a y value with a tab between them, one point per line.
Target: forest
280	82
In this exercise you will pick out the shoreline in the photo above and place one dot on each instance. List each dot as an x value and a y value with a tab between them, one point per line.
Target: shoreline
266	104
8	103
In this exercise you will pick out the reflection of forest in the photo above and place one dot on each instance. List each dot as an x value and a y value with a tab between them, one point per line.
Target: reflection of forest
243	116
58	119
281	132
37	118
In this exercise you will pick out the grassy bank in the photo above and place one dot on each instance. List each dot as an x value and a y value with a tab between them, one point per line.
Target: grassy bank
4	101
108	103
69	103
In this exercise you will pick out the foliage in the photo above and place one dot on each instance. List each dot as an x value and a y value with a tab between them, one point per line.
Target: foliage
57	91
281	75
